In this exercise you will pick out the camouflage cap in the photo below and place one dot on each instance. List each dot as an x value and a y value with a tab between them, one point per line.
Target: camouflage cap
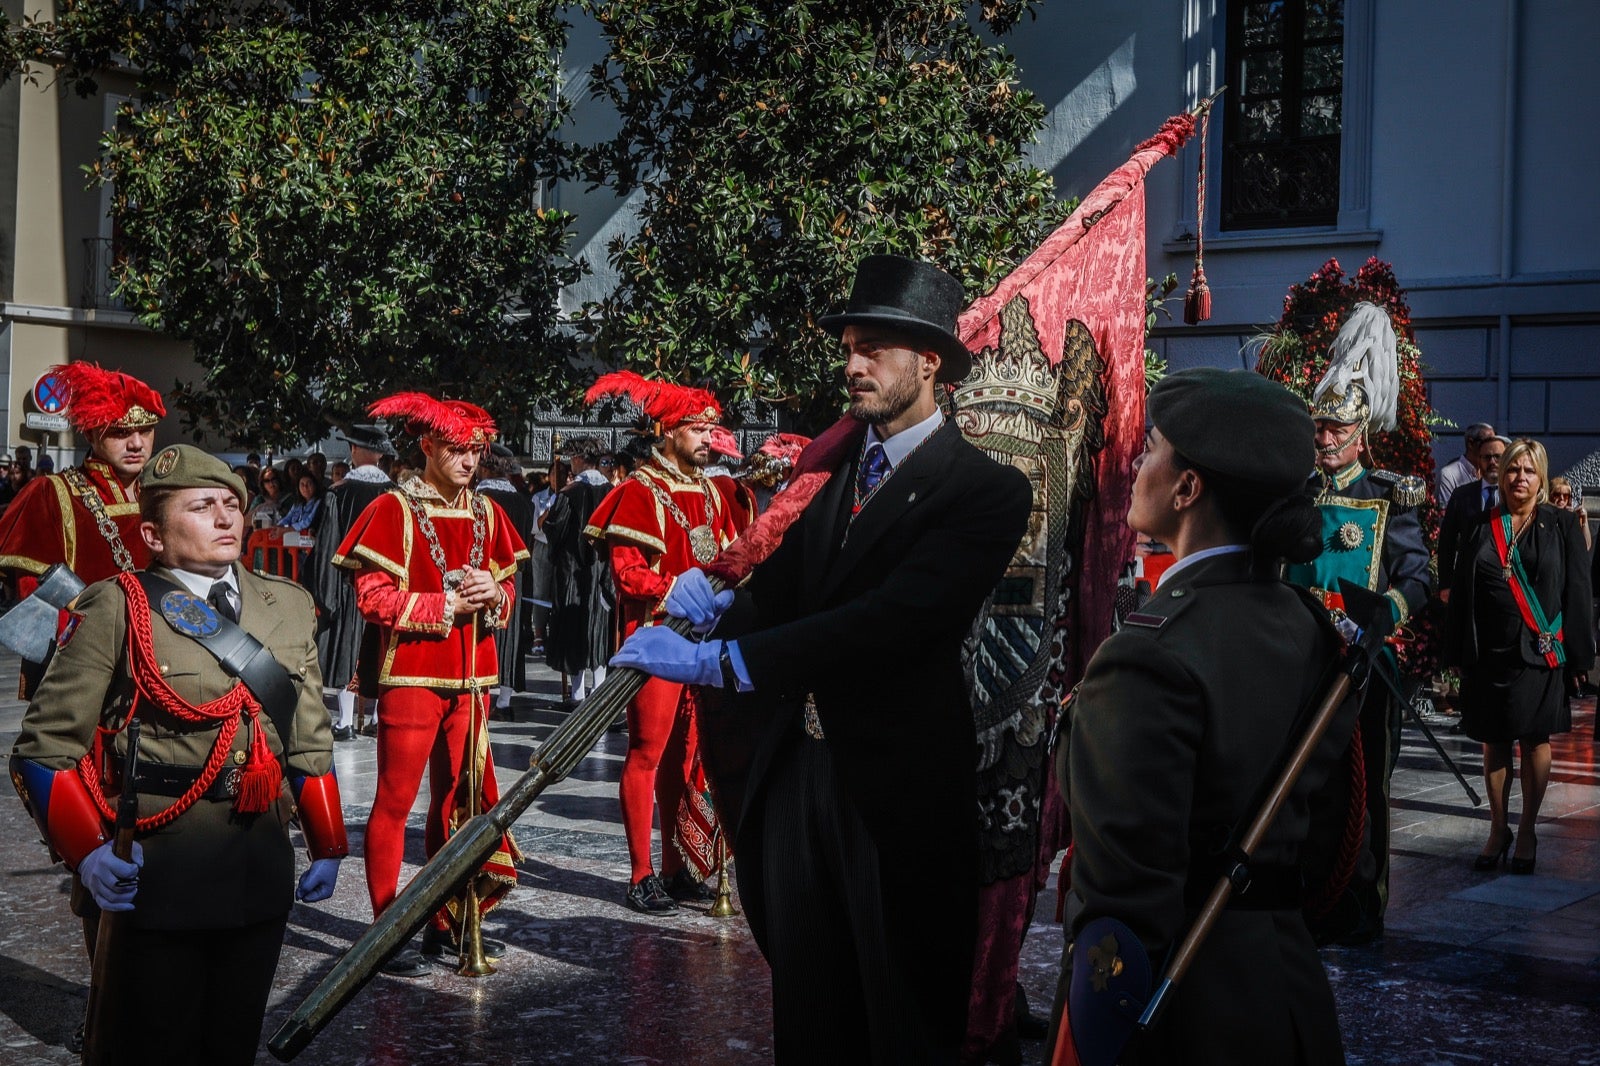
183	466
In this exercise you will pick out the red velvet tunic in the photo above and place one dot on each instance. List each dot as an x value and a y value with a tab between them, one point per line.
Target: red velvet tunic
649	548
47	524
401	588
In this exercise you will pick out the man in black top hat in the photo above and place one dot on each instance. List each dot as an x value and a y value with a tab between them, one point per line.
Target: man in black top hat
340	627
858	837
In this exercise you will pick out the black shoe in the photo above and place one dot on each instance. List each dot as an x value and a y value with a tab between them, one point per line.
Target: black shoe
75	1041
436	942
344	732
685	889
1519	865
1029	1025
649	896
407	964
1490	860
369	730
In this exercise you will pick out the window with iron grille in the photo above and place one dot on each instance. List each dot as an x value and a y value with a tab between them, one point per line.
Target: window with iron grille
1284	114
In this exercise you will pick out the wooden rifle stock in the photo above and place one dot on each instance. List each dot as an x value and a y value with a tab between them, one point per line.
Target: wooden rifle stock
1359	603
97	1035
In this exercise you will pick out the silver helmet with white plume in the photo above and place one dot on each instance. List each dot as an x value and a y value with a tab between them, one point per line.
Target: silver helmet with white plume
1363	379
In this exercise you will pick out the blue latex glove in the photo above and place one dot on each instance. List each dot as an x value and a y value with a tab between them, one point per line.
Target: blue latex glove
660	652
318	882
691	597
112	882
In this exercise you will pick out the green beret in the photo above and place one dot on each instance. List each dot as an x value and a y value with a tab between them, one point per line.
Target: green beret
1251	431
183	466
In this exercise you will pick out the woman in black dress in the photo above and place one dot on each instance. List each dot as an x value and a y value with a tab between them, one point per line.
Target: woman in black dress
1520	632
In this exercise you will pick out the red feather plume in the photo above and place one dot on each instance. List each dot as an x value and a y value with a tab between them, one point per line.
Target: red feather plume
456	421
97	397
669	404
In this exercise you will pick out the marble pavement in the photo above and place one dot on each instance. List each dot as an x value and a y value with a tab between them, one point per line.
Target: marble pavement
1476	968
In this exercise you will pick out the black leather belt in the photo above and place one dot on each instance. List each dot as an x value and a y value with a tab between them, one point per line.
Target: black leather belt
157	779
1271	888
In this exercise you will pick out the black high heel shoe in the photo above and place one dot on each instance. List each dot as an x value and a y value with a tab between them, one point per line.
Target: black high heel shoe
1490	860
1520	865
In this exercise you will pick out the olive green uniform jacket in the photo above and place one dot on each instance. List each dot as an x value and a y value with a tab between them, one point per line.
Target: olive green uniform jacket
1180	716
210	868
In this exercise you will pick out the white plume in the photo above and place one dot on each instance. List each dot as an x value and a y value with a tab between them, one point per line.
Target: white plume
1364	353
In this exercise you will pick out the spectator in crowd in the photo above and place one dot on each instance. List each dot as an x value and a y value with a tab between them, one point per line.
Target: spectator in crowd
47	465
1563	498
24	459
16	476
1464	468
1521	629
271	499
543	495
251	477
292	469
495	474
303	512
581	595
1466	507
317	463
338	472
633	454
607	465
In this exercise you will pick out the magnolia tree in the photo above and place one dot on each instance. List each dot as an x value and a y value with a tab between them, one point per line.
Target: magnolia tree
332	200
772	146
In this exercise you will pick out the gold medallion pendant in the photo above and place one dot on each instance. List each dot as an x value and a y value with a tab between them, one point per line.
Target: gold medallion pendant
703	543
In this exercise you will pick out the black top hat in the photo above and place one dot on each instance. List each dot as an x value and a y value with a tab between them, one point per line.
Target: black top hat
904	294
371	438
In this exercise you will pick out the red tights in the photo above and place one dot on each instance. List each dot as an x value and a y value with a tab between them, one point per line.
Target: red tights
660	730
417	727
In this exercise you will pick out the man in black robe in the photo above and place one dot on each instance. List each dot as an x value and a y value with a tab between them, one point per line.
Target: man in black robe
579	640
340	627
499	472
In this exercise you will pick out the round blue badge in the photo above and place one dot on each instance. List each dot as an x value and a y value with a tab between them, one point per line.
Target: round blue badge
190	615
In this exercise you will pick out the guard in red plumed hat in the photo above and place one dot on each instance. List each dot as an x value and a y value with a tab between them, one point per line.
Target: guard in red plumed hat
86	517
435	563
668	517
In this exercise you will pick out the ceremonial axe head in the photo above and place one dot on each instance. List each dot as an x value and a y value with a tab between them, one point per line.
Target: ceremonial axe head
30	626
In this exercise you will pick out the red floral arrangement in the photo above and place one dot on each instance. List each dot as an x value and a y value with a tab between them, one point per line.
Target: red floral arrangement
1296	354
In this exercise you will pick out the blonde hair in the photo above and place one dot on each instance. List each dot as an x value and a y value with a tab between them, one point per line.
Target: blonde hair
1541	463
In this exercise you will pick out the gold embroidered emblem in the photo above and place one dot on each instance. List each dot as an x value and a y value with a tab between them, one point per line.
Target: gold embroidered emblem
165	462
1105	962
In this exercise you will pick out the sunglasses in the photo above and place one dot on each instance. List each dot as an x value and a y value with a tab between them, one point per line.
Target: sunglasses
1561	495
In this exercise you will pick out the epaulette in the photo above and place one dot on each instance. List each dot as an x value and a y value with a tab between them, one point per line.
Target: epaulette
1404	489
1160	609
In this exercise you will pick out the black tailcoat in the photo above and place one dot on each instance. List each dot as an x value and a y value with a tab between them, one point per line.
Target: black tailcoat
871	623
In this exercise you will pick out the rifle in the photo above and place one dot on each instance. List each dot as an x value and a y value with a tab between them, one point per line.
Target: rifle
1361	604
96	1028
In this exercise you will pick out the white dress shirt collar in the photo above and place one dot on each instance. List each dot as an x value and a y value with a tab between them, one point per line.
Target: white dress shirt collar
1204	553
902	444
200	584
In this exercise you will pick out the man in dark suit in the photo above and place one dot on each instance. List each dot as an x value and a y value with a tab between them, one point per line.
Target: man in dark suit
858	837
1466	507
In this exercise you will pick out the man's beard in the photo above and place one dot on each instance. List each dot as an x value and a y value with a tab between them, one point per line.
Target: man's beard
885	403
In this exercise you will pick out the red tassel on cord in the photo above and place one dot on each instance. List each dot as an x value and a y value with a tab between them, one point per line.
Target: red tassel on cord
1197	301
262	778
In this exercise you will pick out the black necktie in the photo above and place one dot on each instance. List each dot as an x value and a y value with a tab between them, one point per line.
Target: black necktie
1491	497
219	598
